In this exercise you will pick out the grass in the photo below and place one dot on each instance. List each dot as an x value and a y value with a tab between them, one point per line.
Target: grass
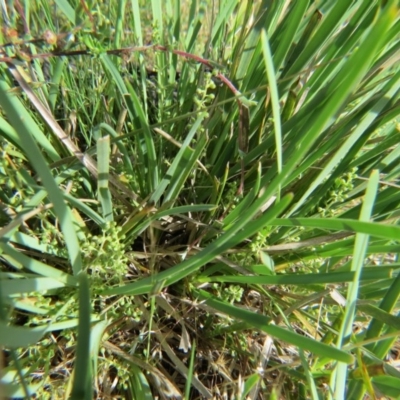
199	200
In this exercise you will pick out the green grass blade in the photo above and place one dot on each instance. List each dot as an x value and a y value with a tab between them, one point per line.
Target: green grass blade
342	224
380	315
151	160
19	260
17	336
339	89
387	93
119	24
139	385
190	370
217	29
67	10
269	66
334	17
263	323
86	210
103	162
310	379
82	382
299	279
122	148
283	38
360	247
176	170
13	109
28	285
12	131
184	169
387	385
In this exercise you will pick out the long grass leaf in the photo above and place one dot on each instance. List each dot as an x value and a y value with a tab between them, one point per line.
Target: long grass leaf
305	279
269	66
342	224
360	247
17	336
82	382
263	323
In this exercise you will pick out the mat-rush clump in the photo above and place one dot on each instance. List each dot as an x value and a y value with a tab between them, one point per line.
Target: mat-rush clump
174	249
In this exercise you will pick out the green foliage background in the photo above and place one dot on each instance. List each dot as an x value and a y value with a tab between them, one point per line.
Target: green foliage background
199	198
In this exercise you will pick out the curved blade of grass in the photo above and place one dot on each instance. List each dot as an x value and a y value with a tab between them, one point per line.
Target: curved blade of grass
380	315
243	229
96	333
346	41
20	286
360	247
17	336
76	203
9	133
251	53
338	224
347	248
338	90
19	260
123	149
263	323
375	328
269	66
139	37
137	24
13	134
389	139
190	370
13	108
387	93
119	24
67	10
158	20
82	383
55	81
329	23
139	385
387	385
195	18
29	308
217	29
251	385
274	14
172	176
185	169
283	38
242	206
310	379
70	324
148	158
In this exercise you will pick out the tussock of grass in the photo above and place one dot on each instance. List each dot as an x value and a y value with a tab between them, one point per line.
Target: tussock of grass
199	200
